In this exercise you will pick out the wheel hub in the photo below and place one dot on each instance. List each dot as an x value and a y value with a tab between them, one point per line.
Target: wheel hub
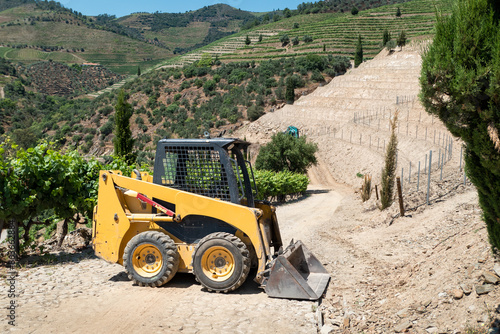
147	260
220	262
217	263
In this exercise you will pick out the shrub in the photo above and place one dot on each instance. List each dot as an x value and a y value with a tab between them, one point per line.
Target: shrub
254	112
284	39
286	152
278	185
307	39
366	189
316	76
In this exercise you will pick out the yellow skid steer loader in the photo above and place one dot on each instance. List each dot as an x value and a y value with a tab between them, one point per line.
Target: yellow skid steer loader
198	213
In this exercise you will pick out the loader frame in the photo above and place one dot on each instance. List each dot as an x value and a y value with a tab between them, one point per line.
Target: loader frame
199	203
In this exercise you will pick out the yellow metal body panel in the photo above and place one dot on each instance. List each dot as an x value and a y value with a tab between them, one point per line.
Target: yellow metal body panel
118	218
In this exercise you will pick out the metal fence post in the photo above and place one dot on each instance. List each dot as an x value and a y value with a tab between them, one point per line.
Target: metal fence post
429	176
418	175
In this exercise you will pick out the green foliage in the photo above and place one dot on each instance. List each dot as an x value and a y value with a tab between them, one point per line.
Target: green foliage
307	39
123	141
390	45
398	12
358	56
40	178
284	39
40	185
317	77
254	112
290	90
460	81
389	172
401	39
354	10
386	38
229	89
278	185
206	60
286	152
247	41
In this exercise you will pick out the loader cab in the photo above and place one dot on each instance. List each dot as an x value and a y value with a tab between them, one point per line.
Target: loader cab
214	168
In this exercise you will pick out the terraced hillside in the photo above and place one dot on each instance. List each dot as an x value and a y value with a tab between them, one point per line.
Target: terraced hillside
349	118
330	33
29	34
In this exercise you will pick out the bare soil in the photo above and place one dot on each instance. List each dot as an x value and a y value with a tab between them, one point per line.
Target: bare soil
419	273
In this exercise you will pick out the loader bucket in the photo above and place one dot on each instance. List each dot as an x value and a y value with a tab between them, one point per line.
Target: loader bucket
297	274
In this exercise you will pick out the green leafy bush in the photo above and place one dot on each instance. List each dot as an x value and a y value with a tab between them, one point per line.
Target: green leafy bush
286	152
278	185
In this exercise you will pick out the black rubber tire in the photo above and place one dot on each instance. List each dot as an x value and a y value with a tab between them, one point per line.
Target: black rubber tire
239	252
168	251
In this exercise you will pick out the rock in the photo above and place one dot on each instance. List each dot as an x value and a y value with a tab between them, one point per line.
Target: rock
483	289
402	326
403	313
336	322
421	309
347	322
442	295
327	329
431	329
457	293
496	269
466	288
490	278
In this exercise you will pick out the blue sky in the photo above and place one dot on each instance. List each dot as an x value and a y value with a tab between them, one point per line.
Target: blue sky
125	7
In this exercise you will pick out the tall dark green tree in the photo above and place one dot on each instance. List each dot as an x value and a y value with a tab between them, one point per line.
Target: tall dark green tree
460	83
389	172
398	12
123	141
290	90
358	56
401	39
386	38
248	41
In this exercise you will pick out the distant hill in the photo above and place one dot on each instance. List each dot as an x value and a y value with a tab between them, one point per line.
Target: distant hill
183	32
42	31
32	31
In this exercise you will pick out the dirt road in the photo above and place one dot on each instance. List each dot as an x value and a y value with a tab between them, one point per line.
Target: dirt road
90	294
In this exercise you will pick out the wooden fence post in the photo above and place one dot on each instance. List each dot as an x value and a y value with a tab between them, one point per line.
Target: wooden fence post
400	195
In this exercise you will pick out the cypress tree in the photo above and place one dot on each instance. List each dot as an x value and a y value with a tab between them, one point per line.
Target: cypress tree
290	91
460	81
389	171
358	56
402	39
398	12
385	38
123	141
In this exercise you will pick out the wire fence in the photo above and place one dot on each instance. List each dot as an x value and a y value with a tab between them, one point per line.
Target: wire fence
371	129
